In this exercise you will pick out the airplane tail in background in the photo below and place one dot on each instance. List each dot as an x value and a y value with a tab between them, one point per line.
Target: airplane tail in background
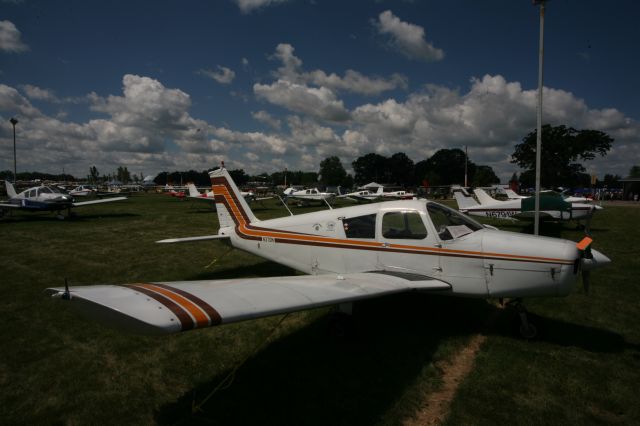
193	191
231	206
11	191
380	190
483	197
511	194
464	202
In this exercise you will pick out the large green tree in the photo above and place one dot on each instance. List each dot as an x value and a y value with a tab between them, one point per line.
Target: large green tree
401	169
484	176
562	149
446	167
371	167
634	172
332	172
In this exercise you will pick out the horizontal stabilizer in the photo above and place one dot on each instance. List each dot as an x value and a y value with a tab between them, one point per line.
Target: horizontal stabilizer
193	239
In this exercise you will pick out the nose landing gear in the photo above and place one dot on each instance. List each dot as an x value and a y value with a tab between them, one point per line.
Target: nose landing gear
527	329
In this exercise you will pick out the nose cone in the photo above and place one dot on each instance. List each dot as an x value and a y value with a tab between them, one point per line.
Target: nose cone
598	260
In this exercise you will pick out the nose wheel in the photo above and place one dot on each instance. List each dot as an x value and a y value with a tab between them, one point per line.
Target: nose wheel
527	329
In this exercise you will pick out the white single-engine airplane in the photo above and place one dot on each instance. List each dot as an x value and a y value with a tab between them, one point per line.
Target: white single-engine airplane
306	195
569	199
45	198
363	196
208	196
350	254
551	207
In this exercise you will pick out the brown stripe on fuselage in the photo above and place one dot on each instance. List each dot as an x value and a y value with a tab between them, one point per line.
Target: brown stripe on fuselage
186	321
245	230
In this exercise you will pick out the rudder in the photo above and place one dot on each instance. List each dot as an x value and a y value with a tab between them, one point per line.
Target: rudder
232	208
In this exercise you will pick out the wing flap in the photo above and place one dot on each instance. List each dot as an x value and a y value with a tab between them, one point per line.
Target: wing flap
184	305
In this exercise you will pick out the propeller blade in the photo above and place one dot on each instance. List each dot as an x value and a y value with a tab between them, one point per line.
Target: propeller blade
586	281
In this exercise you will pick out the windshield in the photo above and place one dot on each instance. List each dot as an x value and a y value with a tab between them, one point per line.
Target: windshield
450	223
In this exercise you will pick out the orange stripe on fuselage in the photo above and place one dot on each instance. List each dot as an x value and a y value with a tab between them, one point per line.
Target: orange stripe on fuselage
245	228
201	318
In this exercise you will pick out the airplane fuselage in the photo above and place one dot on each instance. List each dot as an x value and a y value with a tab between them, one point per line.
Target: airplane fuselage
480	263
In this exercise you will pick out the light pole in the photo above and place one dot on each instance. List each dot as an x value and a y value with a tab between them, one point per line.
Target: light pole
466	161
15	175
536	224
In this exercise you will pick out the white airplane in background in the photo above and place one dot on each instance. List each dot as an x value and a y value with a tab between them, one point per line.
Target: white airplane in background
45	198
569	199
306	195
248	195
398	195
551	207
350	254
363	196
82	191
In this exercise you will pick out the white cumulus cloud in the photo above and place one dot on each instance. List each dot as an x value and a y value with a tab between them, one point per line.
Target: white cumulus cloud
316	102
224	75
10	38
248	6
352	81
409	39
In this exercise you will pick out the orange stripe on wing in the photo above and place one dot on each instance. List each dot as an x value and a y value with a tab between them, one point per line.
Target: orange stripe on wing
201	318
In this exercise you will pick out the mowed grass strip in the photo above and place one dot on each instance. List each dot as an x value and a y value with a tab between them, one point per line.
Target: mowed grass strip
57	367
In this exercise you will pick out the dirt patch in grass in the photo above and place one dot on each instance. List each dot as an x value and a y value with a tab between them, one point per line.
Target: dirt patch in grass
436	406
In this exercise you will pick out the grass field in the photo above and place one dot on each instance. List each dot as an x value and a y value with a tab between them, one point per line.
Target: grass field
56	367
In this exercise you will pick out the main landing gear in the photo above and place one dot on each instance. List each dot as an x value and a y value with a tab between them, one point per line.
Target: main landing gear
341	325
527	329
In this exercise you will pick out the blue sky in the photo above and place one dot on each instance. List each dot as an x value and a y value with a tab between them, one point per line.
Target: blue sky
263	85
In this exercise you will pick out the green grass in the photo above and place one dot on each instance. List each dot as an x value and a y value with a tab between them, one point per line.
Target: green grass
57	367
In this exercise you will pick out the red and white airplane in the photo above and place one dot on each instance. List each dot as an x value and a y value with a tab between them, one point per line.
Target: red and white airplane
349	254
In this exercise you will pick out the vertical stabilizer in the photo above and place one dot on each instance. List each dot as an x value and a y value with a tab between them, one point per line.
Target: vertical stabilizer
483	197
231	206
11	191
464	202
193	191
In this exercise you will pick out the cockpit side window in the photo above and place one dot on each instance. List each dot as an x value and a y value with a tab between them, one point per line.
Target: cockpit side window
449	223
403	225
360	226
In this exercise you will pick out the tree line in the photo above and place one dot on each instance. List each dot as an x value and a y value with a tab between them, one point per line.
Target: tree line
564	150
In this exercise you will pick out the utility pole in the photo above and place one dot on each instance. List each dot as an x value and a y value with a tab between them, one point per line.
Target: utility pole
536	225
466	160
15	174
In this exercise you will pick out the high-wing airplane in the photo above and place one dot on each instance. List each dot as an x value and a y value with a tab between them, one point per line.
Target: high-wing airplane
306	195
551	207
350	254
45	198
569	199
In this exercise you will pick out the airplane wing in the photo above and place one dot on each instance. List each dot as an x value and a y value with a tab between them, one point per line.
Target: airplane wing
161	308
10	205
104	200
